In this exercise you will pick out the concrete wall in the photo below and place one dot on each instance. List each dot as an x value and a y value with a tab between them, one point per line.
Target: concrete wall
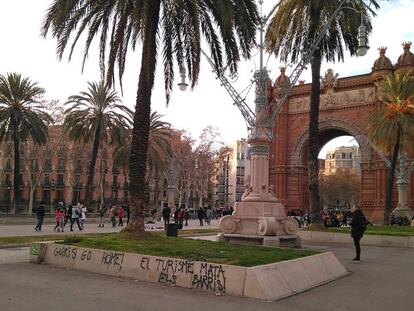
267	282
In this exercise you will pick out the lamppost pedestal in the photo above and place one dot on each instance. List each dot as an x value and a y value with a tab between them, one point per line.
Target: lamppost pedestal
260	218
403	210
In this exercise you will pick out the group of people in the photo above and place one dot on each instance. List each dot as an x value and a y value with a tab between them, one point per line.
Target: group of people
116	213
182	215
76	214
338	218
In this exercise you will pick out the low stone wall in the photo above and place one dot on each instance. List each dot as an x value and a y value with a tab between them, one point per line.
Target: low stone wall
268	282
368	239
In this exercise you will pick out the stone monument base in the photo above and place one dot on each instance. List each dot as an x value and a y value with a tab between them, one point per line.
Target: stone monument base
271	241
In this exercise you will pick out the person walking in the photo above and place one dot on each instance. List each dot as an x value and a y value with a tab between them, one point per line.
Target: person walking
101	212
121	214
83	215
128	212
166	213
40	215
359	225
112	214
186	216
59	214
68	214
209	215
200	215
181	215
76	214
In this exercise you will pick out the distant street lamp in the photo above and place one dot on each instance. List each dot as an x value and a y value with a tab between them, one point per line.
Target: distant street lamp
8	199
182	85
52	189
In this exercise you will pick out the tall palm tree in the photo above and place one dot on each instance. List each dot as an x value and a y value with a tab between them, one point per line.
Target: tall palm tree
159	145
96	116
228	26
291	31
392	126
21	117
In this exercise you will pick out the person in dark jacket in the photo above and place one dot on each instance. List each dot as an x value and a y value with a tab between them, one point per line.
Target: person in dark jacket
166	212
68	214
200	215
359	225
40	214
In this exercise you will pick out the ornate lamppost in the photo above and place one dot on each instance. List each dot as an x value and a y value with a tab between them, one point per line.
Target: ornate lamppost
260	213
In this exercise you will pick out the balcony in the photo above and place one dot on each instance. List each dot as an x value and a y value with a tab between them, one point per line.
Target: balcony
115	185
46	184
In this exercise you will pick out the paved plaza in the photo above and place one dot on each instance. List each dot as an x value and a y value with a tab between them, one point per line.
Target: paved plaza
28	230
383	280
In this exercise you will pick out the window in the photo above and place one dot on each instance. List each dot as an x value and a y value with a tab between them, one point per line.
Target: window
77	179
115	195
46	180
60	179
59	196
61	164
8	164
34	165
48	165
115	180
78	167
20	180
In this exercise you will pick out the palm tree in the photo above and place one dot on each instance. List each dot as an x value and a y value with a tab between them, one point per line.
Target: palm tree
292	29
392	126
159	145
96	117
228	26
21	117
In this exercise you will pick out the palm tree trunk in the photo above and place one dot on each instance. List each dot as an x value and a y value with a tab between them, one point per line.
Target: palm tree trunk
16	177
390	181
313	148
91	173
140	132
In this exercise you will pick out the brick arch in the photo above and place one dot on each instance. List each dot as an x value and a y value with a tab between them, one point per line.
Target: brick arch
340	126
345	106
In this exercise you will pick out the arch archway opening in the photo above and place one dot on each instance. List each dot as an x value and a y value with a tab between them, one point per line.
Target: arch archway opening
339	173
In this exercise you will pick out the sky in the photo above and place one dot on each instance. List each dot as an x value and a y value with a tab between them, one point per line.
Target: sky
23	50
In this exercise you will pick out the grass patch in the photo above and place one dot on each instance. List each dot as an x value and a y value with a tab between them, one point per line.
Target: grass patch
199	231
374	230
157	244
30	239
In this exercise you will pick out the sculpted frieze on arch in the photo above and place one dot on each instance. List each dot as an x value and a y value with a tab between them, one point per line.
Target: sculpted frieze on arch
332	99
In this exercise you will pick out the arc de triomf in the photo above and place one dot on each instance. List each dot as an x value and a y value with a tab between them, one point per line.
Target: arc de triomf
345	105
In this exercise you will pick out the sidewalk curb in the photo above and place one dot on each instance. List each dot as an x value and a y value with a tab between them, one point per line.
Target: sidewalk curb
15	245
